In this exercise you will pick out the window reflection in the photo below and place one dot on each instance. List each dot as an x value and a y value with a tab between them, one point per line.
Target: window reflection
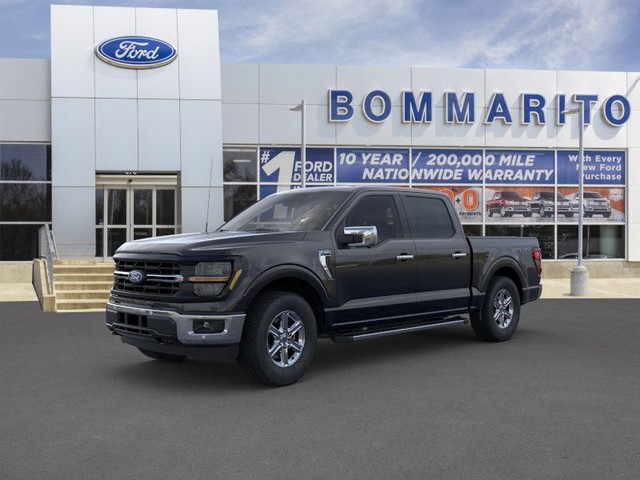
25	202
239	164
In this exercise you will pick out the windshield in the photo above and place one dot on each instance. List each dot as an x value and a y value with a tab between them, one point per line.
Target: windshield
511	195
592	195
299	210
547	195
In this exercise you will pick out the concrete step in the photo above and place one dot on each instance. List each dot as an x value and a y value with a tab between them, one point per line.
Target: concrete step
80	277
75	305
82	294
93	285
84	269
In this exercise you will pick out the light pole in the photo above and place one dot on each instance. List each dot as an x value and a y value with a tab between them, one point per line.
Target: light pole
580	274
302	107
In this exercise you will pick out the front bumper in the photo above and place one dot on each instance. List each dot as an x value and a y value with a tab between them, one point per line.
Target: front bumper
141	322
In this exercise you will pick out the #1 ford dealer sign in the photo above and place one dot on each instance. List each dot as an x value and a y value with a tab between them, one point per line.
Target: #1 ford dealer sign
136	52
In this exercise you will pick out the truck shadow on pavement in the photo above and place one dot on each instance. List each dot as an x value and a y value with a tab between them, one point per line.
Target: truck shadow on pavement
221	372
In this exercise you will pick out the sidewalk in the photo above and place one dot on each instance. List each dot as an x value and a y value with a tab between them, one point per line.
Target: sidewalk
552	288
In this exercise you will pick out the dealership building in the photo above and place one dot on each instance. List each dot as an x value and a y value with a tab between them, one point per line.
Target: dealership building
134	129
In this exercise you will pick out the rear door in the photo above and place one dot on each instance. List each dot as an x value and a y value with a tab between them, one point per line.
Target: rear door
375	283
443	256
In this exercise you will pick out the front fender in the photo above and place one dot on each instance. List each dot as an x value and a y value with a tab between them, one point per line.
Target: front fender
282	272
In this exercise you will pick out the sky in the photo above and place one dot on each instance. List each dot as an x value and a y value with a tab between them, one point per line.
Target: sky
516	34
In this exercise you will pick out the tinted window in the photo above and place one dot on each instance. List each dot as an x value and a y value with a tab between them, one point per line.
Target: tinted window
379	211
428	218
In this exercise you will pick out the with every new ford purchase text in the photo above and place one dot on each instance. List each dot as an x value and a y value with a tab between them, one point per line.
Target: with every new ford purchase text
345	263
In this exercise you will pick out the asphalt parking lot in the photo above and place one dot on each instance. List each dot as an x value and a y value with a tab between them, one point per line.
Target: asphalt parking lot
560	400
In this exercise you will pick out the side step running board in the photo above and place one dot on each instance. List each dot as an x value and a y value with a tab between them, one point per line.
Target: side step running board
396	331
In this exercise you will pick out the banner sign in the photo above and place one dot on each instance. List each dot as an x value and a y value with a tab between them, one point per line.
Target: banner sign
437	166
519	167
283	166
368	165
601	167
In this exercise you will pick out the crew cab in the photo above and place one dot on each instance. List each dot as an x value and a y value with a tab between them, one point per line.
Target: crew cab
345	263
507	204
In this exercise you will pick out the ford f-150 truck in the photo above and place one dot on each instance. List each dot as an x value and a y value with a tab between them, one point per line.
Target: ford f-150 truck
345	263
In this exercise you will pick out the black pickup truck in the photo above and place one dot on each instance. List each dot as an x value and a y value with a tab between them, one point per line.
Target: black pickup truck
346	263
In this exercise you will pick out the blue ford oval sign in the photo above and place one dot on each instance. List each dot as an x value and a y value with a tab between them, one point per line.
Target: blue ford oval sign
136	52
137	277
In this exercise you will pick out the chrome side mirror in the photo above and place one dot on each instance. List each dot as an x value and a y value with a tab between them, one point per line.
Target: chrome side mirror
366	236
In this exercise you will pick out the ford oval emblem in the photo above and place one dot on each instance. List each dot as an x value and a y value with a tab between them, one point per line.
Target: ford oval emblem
136	52
136	277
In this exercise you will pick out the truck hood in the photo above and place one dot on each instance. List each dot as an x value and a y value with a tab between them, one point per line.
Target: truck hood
188	243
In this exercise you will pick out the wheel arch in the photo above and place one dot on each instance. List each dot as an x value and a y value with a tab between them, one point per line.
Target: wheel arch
292	279
505	267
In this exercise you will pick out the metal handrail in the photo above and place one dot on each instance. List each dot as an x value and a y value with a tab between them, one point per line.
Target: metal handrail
48	250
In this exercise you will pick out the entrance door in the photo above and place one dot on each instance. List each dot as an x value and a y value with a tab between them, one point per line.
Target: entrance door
132	211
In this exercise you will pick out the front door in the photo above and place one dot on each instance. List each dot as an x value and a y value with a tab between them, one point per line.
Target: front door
133	210
375	283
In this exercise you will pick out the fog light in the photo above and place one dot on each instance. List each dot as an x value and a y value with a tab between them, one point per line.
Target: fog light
208	289
208	326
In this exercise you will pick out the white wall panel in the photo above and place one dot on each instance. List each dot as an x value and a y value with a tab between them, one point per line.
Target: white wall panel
201	142
73	142
441	80
240	83
360	131
114	82
25	121
73	217
597	135
199	54
634	242
633	89
239	123
116	134
362	80
290	84
439	133
633	167
25	79
603	84
278	124
319	130
72	56
162	82
194	208
159	135
512	83
500	135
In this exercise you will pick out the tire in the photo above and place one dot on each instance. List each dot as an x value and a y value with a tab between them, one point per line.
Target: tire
503	212
271	352
606	215
485	324
167	357
588	215
527	214
568	215
489	212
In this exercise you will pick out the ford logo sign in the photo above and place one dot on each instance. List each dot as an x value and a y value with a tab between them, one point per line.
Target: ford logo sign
136	52
136	277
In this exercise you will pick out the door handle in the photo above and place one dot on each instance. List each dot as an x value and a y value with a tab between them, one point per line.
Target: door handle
458	255
404	257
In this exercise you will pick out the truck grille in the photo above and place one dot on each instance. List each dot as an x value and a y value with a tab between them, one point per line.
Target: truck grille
162	278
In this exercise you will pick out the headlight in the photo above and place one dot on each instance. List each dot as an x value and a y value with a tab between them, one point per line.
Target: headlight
210	278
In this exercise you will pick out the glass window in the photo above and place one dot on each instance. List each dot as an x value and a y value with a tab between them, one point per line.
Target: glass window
18	242
142	206
472	230
100	207
377	210
25	202
599	241
117	206
429	217
239	164
165	207
237	198
115	238
30	163
99	242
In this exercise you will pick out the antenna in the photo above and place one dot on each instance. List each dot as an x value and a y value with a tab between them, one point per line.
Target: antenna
206	222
